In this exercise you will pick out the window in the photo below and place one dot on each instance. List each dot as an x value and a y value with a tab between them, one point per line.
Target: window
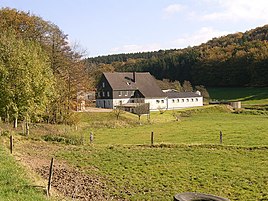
182	100
98	94
120	102
187	100
120	93
178	100
173	101
126	93
157	101
196	99
162	101
108	94
103	94
192	100
103	84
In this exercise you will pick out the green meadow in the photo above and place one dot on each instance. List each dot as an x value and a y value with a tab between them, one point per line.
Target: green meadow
186	155
158	173
248	95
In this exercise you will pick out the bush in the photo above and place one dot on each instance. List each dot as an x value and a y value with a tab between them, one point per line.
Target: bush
4	133
74	140
186	113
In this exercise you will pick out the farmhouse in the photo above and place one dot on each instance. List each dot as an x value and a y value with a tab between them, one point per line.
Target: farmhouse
132	88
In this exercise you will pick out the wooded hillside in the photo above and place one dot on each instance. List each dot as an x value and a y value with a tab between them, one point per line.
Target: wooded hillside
238	59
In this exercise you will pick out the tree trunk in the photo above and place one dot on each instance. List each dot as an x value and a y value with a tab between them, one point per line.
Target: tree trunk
15	122
27	128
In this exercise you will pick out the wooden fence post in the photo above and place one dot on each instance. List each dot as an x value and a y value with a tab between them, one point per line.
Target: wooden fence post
152	138
11	144
220	137
82	139
91	137
50	177
27	128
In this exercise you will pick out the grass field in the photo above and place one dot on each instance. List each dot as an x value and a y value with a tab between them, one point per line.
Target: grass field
158	173
249	95
14	181
241	130
186	156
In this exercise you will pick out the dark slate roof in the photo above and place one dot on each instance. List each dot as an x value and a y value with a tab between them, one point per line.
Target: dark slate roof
144	82
174	94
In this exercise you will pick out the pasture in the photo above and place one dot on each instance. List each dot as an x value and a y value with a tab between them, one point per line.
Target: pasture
121	163
248	95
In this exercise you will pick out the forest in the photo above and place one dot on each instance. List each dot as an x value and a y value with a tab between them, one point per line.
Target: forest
40	72
238	59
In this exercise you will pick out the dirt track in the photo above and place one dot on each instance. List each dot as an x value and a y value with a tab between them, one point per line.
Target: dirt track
67	181
74	184
95	109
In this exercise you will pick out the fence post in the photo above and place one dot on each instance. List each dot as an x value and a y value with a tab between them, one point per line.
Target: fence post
27	128
152	138
91	137
11	144
82	139
50	177
220	137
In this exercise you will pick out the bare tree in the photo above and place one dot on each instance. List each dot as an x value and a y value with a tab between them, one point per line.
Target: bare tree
187	86
118	111
142	108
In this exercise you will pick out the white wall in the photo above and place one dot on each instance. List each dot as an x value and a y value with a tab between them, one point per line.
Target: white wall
120	101
156	103
176	103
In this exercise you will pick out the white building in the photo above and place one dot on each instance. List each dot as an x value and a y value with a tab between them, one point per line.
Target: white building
123	88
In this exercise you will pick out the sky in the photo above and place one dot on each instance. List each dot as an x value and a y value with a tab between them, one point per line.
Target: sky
105	27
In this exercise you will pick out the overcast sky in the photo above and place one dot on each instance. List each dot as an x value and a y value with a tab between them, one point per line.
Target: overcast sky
103	27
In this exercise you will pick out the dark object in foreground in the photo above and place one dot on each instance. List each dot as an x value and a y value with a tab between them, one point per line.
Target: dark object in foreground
198	197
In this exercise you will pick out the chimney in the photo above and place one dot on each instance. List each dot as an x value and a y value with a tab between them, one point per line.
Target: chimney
134	76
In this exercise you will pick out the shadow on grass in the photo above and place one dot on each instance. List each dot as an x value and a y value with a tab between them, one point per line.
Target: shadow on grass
239	93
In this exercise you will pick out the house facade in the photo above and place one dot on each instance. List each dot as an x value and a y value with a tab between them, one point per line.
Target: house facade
130	88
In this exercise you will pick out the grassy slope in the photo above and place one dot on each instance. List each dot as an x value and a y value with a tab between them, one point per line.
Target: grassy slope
190	159
248	95
13	181
201	128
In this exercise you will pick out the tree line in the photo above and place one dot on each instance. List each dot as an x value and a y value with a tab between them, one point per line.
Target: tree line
238	59
40	73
